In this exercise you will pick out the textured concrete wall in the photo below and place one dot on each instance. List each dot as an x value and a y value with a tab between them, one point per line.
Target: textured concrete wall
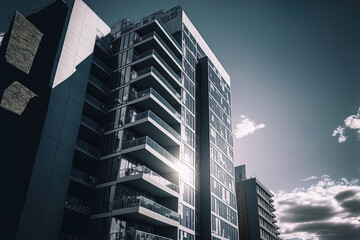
16	97
23	44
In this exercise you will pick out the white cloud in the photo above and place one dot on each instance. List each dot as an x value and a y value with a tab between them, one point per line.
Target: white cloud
246	127
351	122
327	210
309	178
340	130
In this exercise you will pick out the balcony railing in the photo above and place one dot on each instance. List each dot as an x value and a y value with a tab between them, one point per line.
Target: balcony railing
151	143
92	124
143	22
84	177
103	43
151	174
101	64
157	96
99	84
154	117
78	205
135	235
88	148
96	102
153	52
154	34
148	204
162	79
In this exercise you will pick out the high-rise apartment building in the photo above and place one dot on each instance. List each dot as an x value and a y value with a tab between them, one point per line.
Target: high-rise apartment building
255	208
127	136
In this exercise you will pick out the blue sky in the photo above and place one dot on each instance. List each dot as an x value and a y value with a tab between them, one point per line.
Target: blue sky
294	68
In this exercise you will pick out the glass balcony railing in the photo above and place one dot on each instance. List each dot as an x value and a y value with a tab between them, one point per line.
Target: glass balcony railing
104	43
154	34
92	124
162	79
77	204
84	177
151	143
153	52
88	148
99	84
154	117
143	22
101	64
96	102
135	235
151	174
148	204
157	96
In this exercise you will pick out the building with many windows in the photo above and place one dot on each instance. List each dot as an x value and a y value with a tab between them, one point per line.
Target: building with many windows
255	208
132	133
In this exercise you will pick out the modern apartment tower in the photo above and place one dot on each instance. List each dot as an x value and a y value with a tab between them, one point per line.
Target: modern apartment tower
131	137
255	208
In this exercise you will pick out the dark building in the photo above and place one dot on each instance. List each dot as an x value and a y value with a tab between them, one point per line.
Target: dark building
110	133
255	208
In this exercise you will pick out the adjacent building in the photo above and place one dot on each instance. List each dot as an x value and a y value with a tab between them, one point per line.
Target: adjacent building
120	132
255	208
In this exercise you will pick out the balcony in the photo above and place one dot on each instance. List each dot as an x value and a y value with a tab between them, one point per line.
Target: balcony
83	177
150	99
104	44
100	69
152	58
153	41
98	87
92	125
145	210
153	24
143	178
87	149
135	235
151	154
78	205
96	106
151	78
149	124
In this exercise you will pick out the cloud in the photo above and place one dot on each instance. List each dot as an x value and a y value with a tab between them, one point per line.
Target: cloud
327	210
246	127
309	178
340	130
351	122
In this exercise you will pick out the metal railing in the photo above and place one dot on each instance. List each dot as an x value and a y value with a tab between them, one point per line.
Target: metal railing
155	35
88	148
135	235
84	177
154	117
151	174
148	204
151	143
77	204
151	91
92	124
153	52
99	84
96	102
161	78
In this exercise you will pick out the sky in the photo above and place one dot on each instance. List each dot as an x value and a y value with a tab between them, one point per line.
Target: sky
295	79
